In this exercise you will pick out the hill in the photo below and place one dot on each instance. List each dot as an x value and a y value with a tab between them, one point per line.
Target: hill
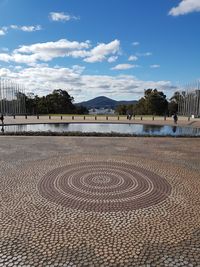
104	102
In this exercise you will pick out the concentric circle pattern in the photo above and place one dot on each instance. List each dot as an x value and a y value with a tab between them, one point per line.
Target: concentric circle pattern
104	187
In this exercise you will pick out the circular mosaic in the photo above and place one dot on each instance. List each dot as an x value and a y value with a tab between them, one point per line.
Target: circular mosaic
104	187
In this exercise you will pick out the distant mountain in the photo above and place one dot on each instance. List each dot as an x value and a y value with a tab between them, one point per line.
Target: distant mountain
104	102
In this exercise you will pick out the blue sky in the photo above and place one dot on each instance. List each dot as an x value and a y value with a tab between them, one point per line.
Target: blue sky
115	48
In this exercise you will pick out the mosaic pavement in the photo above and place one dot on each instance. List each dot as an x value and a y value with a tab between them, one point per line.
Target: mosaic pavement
99	202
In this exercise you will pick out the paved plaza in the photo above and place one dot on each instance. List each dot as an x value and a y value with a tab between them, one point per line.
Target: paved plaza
90	201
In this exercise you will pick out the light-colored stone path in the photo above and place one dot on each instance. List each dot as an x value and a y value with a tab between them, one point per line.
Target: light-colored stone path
78	201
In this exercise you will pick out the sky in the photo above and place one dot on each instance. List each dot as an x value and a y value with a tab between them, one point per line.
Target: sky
115	48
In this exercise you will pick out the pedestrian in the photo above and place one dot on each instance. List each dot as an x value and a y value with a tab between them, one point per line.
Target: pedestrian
2	119
2	123
129	115
175	117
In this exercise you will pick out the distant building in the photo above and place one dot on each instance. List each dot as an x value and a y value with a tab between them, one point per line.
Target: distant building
101	111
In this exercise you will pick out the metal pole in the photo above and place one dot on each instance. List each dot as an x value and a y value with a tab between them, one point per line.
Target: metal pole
0	95
3	109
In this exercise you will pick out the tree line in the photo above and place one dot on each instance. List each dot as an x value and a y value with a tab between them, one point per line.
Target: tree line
153	102
58	102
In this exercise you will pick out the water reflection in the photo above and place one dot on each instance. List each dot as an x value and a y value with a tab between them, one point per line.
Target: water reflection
137	129
152	128
174	129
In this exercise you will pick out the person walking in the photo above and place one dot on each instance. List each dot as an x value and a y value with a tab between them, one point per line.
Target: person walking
2	119
175	117
2	123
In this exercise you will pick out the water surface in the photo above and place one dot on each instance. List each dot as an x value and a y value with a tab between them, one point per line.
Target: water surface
136	129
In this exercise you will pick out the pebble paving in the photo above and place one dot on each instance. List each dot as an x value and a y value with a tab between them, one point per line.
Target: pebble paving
99	202
103	186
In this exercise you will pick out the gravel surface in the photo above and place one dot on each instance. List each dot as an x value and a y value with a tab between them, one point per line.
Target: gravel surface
90	201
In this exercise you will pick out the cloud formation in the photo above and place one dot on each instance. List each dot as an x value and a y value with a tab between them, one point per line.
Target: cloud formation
154	66
2	32
42	80
132	58
135	43
101	51
31	28
124	67
26	28
146	54
112	59
185	7
61	16
32	54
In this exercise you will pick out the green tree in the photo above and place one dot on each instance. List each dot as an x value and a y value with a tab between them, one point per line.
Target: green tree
176	101
58	102
121	109
42	107
81	110
30	101
155	102
141	107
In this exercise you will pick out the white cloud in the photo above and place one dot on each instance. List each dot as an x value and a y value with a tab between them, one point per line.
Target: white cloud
42	80
18	67
112	59
146	54
132	58
6	73
124	67
101	51
61	16
58	48
26	28
5	57
2	32
31	54
185	7
5	29
135	43
14	27
154	66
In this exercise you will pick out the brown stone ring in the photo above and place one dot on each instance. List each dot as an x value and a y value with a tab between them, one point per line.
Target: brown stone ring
104	187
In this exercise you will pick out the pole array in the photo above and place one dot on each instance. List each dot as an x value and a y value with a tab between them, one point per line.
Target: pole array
12	98
189	100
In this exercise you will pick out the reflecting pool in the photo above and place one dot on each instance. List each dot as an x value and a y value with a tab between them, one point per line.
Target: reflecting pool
135	129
